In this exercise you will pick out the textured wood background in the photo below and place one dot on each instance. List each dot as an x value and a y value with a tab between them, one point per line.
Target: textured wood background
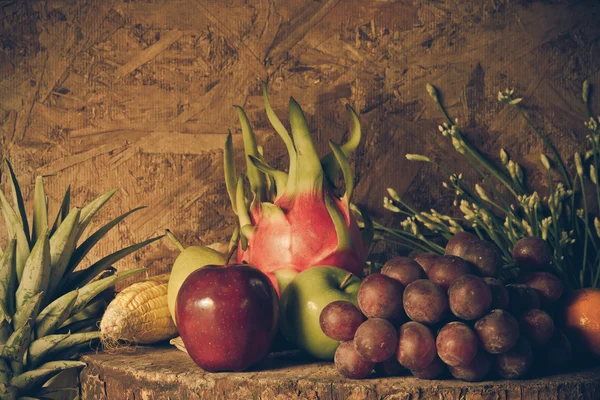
139	94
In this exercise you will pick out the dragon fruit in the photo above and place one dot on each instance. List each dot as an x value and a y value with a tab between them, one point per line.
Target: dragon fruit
293	221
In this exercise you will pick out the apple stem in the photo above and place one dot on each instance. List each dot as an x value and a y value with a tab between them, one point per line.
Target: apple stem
346	280
174	240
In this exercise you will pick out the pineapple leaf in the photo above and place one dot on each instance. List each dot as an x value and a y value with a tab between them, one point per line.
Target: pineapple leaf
89	211
36	378
91	290
8	278
40	211
73	340
93	310
39	349
55	314
83	249
62	244
86	325
63	211
36	272
5	330
15	230
18	200
28	311
101	265
17	343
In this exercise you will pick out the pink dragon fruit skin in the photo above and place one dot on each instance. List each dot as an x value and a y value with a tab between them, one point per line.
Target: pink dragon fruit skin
293	221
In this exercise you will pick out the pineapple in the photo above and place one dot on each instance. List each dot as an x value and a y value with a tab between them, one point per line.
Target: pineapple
49	311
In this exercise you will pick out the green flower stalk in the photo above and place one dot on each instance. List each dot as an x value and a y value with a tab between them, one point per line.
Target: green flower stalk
563	218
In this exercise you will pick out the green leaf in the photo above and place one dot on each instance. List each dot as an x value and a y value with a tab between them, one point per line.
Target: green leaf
18	200
36	272
17	343
55	314
89	211
15	230
309	172
41	348
285	136
330	166
40	211
92	310
84	248
62	244
280	177
92	271
8	278
91	290
36	378
229	170
257	180
62	212
346	169
28	311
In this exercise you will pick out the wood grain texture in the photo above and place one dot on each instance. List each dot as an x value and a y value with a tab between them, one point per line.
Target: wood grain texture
167	373
138	95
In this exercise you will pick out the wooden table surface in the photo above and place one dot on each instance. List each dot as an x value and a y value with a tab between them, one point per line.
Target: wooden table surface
167	373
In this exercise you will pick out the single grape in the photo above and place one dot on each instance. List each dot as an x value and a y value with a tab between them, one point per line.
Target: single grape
380	296
516	362
537	326
425	302
390	367
548	286
446	269
532	253
458	243
484	256
340	319
469	297
522	298
456	344
434	370
416	346
376	340
425	260
498	331
500	296
349	363
476	370
404	270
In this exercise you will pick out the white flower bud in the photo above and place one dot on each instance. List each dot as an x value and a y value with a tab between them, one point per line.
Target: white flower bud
545	161
514	102
578	164
503	157
597	226
593	174
458	145
393	194
481	192
585	91
417	157
432	91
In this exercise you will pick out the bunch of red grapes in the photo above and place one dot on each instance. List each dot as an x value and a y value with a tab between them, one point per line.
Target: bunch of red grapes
435	314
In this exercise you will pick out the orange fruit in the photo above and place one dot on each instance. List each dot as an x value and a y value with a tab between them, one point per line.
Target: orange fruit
582	318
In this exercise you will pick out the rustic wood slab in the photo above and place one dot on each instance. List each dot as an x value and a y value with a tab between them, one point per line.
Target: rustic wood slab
167	373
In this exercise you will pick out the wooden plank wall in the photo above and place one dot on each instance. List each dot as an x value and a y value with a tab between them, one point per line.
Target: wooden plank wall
138	95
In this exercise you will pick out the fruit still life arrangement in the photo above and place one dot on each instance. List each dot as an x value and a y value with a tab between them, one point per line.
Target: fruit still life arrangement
506	290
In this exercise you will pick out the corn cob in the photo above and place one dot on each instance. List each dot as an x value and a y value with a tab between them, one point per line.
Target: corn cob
48	311
140	313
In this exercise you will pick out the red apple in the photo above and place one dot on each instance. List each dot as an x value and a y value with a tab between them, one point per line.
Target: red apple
227	316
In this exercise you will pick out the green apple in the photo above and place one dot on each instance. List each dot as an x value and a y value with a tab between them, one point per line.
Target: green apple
303	300
190	259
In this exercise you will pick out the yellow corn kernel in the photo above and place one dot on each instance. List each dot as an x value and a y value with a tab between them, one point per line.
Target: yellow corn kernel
140	313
